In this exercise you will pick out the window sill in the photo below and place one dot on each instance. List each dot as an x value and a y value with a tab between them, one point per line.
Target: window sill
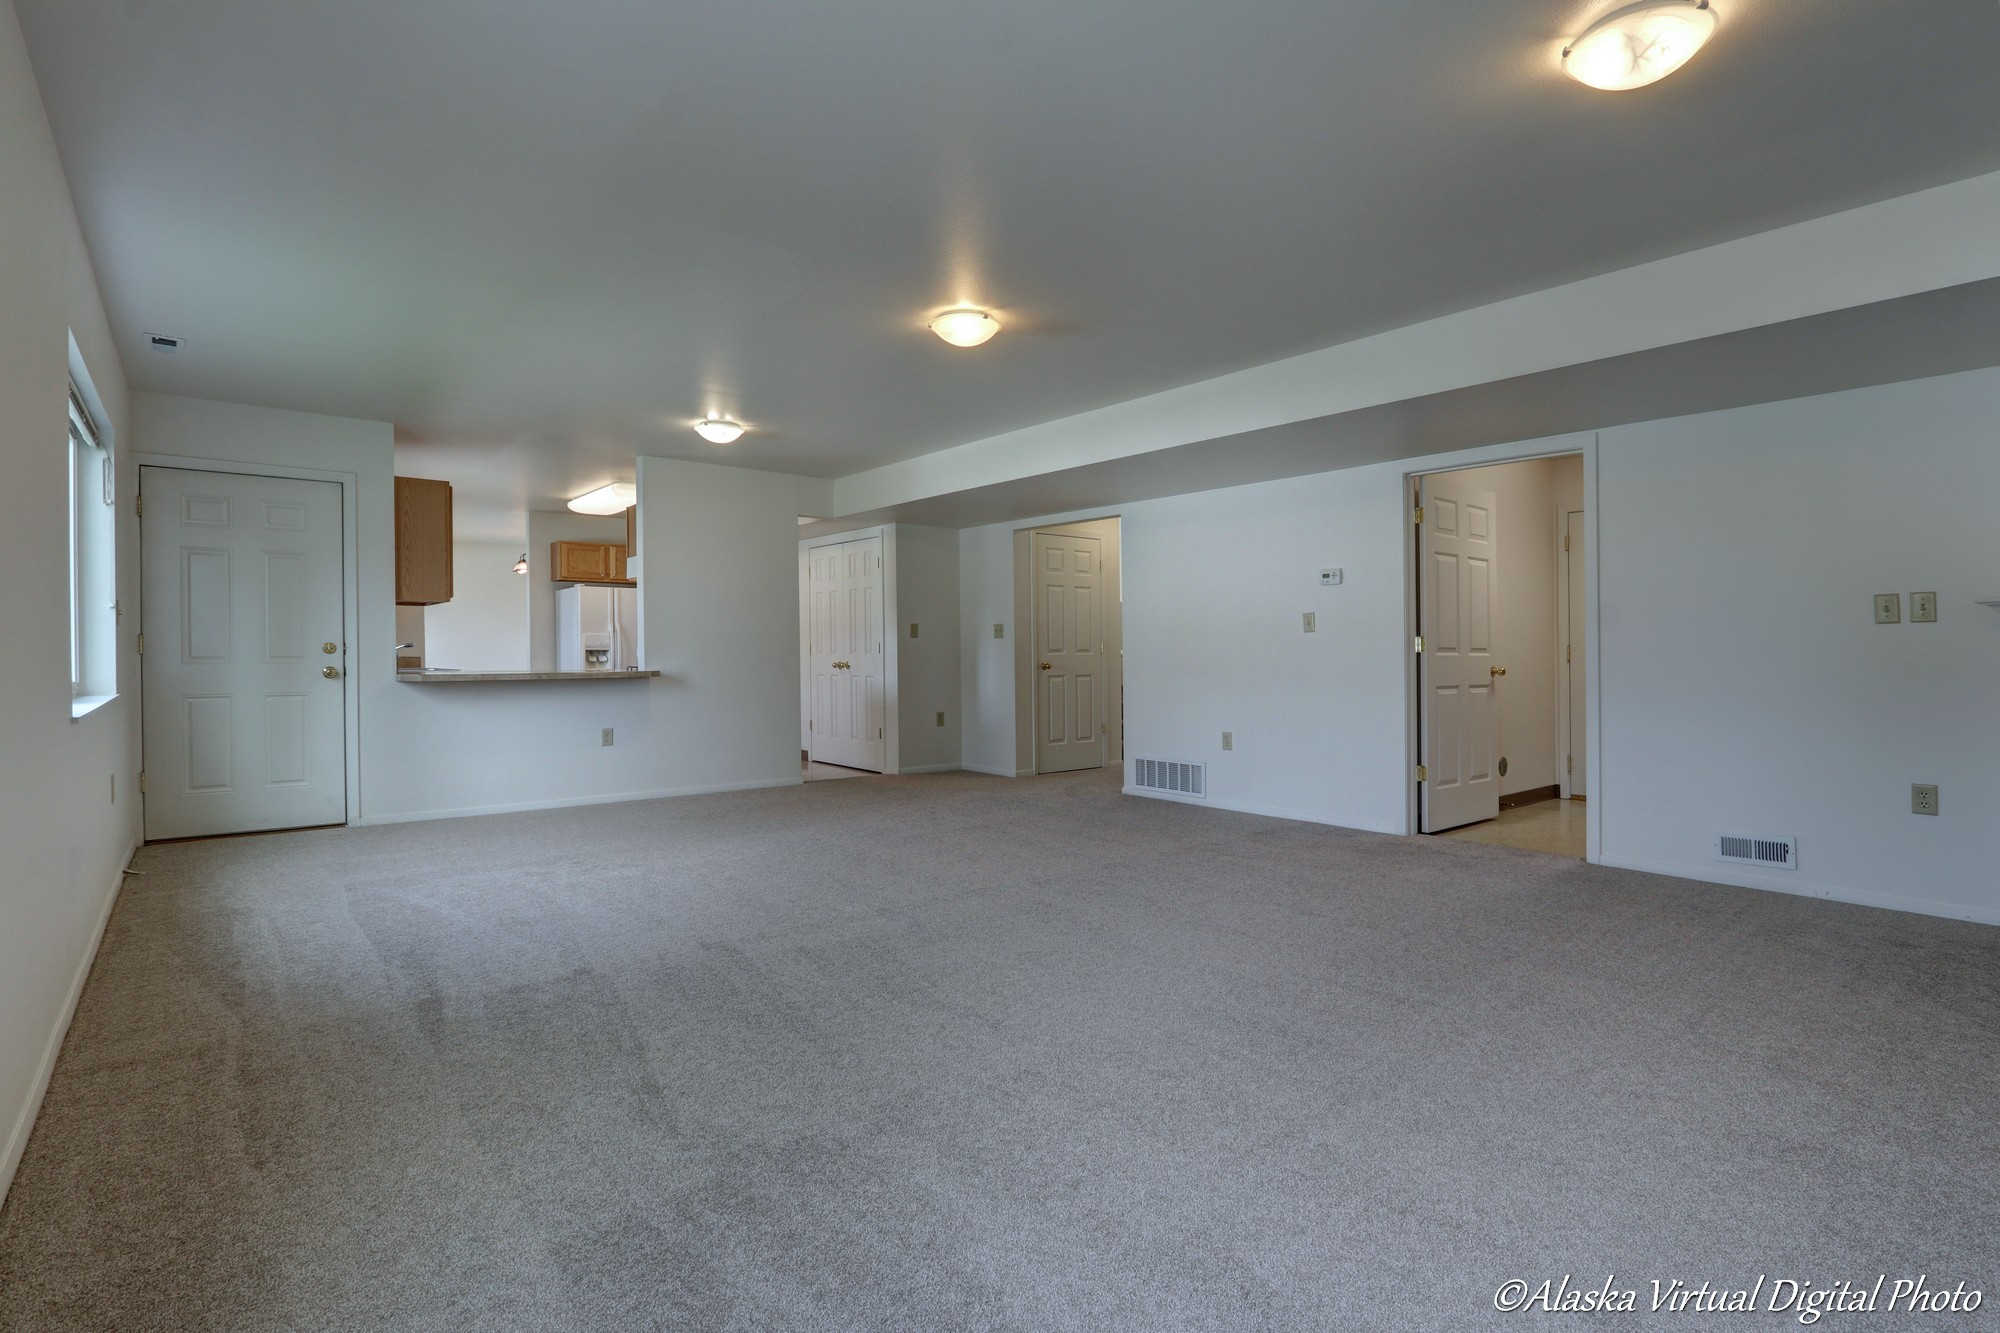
85	704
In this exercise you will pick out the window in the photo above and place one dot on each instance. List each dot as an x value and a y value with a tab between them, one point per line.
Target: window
93	609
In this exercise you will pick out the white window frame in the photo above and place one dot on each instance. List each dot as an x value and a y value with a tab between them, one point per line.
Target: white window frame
93	607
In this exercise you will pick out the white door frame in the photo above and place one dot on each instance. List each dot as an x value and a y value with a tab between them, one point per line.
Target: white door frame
1563	640
1584	444
1025	704
350	595
891	695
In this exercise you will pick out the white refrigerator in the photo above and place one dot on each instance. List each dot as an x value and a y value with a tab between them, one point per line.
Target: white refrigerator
597	629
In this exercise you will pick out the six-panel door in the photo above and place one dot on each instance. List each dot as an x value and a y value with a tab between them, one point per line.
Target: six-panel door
1070	721
244	705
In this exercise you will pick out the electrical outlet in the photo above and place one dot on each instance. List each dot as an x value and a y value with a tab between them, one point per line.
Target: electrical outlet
940	719
1228	740
604	738
1923	798
1888	608
1923	608
1312	623
1329	578
999	631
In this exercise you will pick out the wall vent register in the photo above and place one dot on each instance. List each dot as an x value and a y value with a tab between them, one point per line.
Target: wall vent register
1750	849
1171	775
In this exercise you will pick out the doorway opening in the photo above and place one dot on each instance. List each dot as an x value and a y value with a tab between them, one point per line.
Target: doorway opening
1069	647
1502	653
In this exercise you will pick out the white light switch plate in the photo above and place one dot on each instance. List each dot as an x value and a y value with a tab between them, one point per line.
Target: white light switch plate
1888	608
1923	608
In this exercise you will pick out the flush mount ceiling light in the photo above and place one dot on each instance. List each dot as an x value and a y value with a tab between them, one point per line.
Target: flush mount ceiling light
521	565
719	430
1640	44
616	498
965	327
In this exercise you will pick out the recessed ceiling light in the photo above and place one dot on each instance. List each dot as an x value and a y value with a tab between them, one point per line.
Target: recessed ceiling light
1640	44
616	498
719	430
965	327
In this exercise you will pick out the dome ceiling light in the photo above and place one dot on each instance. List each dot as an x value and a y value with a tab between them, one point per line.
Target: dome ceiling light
1640	44
616	498
719	430
965	327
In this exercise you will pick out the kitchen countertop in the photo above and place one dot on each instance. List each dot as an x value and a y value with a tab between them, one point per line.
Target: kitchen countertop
513	677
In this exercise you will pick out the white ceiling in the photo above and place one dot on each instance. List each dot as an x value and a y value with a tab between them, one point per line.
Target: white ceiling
542	238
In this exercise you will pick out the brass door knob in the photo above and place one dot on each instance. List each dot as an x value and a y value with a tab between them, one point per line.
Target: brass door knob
1496	671
1045	666
329	648
331	673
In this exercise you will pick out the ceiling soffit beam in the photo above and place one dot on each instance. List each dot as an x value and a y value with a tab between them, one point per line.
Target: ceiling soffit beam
1899	247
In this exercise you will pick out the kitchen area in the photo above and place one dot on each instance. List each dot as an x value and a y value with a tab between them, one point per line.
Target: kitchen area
561	605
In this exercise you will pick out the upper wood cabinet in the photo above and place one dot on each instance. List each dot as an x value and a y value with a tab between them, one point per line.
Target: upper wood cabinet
588	562
423	541
631	532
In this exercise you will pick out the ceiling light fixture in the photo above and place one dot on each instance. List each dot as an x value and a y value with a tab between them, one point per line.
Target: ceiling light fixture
616	498
719	430
1640	44
521	565
965	327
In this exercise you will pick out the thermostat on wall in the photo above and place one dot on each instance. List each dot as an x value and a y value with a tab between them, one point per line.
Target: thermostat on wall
1329	578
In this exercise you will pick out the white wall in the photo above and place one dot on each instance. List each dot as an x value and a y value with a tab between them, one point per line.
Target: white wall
927	667
711	617
547	526
1744	684
484	627
62	839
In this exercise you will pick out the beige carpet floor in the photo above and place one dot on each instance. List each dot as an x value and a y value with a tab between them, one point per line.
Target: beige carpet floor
958	1052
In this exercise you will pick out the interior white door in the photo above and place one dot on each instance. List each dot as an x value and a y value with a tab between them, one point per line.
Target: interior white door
242	690
1575	773
1070	721
849	721
1455	671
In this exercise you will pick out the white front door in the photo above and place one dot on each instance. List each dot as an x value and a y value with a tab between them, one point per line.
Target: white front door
848	668
1455	670
1070	721
1573	659
242	689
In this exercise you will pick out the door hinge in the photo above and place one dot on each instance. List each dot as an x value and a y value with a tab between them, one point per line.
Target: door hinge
1418	516
1420	643
142	784
1569	763
142	645
1423	774
1565	541
139	505
878	733
1567	650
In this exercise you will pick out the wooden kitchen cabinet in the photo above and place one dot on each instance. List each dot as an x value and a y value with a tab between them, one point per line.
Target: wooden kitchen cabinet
588	562
423	541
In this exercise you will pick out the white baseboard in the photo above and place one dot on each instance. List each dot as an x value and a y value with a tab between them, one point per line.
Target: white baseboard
24	1123
1251	808
1718	873
615	798
931	768
997	772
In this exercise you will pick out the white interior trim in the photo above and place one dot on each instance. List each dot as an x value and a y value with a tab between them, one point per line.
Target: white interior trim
24	1123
